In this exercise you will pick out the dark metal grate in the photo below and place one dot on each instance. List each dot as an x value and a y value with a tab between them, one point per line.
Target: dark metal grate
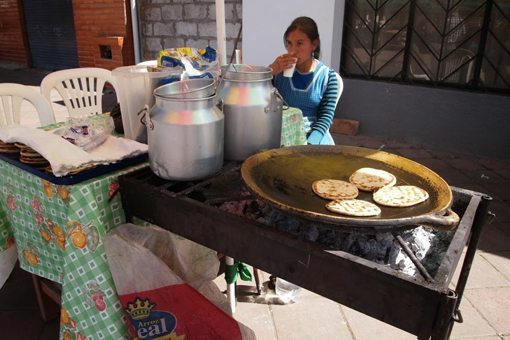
461	43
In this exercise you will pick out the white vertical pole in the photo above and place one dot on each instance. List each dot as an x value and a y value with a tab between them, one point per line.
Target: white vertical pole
231	287
220	32
134	26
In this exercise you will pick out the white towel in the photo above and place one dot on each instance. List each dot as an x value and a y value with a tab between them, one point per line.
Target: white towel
65	156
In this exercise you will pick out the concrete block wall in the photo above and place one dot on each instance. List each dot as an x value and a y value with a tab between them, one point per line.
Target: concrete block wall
185	23
13	45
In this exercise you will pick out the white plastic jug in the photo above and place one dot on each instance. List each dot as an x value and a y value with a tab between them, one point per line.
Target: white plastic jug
135	85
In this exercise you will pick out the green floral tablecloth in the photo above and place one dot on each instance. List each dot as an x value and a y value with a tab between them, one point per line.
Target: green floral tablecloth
58	232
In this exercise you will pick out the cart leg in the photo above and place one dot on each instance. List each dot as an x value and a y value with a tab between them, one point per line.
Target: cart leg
482	216
444	326
257	279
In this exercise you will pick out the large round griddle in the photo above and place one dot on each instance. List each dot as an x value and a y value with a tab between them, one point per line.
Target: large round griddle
283	177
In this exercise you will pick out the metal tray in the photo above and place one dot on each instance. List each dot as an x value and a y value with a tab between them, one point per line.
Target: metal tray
79	177
283	177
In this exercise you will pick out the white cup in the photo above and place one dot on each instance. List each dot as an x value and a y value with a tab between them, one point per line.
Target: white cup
288	72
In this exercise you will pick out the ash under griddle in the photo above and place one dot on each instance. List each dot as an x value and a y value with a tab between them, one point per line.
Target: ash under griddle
429	245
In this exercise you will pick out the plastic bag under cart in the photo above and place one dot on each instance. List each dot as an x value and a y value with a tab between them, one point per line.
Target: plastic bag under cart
165	286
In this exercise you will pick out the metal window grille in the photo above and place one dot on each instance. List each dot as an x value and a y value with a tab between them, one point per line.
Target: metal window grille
454	43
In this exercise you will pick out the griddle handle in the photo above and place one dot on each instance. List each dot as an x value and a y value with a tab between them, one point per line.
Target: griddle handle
449	220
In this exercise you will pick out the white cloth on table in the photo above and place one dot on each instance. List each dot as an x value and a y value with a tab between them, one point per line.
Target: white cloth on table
63	155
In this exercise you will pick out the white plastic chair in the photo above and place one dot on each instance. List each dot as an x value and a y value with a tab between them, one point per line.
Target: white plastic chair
80	88
153	63
11	99
340	87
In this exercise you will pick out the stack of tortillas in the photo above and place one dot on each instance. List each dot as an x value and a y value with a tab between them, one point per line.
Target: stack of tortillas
9	148
31	157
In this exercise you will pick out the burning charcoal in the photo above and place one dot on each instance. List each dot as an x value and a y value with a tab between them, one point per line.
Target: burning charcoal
253	209
326	237
419	241
386	238
429	245
311	234
289	225
438	248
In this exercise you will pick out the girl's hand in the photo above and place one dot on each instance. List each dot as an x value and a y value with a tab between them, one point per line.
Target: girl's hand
282	62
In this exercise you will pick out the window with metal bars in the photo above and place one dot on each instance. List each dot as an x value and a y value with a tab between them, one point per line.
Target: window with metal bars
455	43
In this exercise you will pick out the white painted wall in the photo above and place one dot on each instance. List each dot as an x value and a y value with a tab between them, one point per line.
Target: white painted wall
265	21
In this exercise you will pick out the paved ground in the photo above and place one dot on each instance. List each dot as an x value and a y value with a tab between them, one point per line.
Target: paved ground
486	302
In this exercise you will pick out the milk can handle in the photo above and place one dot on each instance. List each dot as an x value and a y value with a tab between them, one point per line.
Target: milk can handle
145	118
219	87
273	103
277	94
219	100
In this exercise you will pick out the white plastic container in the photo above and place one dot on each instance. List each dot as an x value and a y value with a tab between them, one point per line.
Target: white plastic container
134	85
286	291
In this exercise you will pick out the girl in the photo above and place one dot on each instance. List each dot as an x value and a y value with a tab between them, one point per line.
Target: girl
313	87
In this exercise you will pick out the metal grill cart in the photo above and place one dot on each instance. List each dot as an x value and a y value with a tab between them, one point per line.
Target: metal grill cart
424	305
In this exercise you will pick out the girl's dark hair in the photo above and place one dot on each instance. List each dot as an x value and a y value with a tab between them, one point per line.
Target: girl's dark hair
307	26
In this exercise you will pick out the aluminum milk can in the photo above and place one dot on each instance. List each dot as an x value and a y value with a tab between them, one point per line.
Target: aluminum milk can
252	109
185	137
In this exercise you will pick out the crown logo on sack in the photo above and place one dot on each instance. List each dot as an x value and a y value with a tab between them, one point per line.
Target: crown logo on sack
139	309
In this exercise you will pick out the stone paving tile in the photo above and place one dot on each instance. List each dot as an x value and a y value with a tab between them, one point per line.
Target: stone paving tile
474	324
445	154
493	304
415	154
482	275
470	186
455	178
435	164
465	164
504	172
495	164
364	141
396	144
502	211
310	317
490	337
364	327
494	239
501	261
258	318
485	176
505	227
499	191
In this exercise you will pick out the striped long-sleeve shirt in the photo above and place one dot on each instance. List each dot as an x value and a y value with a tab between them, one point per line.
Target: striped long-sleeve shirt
315	93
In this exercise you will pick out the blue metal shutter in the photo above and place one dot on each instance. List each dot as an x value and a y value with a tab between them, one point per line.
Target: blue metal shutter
51	35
